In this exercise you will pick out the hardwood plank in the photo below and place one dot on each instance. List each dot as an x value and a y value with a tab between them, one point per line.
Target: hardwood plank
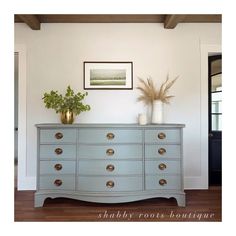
202	205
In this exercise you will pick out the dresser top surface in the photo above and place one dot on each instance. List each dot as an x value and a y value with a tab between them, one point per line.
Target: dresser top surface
108	125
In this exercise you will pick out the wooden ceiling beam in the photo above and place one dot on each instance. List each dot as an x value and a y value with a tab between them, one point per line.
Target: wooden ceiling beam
31	20
102	18
204	18
171	21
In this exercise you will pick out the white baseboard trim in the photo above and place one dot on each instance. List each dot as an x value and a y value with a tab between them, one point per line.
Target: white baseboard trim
26	183
195	182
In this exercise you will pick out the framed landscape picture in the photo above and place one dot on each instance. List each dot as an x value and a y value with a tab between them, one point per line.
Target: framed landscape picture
108	75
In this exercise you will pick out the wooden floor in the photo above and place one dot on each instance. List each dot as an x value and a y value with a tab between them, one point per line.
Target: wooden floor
202	205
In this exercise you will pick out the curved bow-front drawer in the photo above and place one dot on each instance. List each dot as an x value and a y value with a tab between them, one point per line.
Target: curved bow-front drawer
133	151
109	183
57	167
163	182
162	167
57	136
110	168
163	136
162	151
109	163
57	182
57	152
110	136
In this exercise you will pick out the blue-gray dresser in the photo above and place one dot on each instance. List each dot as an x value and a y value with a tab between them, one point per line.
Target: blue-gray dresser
109	163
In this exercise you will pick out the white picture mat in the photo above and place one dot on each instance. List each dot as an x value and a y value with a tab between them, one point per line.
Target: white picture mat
109	66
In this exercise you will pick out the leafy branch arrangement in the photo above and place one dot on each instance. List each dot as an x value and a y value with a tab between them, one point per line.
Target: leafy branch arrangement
70	101
151	93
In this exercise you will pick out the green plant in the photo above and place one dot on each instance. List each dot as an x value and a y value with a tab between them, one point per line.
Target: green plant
70	101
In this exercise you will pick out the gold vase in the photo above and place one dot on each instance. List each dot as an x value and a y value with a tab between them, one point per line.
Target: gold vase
67	117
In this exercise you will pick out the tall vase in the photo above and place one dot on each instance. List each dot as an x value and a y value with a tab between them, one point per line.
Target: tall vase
67	117
157	112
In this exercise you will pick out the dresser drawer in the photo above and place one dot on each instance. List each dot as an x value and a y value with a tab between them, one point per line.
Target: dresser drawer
110	151
162	151
57	182
110	167
57	152
110	136
162	182
162	136
57	167
57	136
109	184
162	167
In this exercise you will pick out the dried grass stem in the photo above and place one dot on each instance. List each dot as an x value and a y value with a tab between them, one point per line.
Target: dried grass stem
150	93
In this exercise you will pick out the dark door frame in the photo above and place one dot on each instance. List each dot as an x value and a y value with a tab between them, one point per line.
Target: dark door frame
216	134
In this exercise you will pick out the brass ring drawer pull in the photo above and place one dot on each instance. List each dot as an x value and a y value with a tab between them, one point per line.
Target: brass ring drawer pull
110	136
58	151
110	168
110	184
162	182
58	182
161	151
162	166
58	135
110	152
58	167
161	135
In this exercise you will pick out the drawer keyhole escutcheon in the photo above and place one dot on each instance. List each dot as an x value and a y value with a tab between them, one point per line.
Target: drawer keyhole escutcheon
161	151
110	152
58	182
110	168
58	167
110	136
162	182
110	184
162	166
161	135
58	151
58	135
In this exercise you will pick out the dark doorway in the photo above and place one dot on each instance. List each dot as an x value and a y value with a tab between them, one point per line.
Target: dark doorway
215	118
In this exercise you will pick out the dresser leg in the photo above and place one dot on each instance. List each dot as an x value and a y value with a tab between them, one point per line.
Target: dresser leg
180	200
39	200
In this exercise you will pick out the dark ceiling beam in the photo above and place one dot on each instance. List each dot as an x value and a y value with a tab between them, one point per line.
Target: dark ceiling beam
171	21
31	20
204	18
102	18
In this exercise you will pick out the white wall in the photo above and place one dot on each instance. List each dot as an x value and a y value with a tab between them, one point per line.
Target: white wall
55	56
